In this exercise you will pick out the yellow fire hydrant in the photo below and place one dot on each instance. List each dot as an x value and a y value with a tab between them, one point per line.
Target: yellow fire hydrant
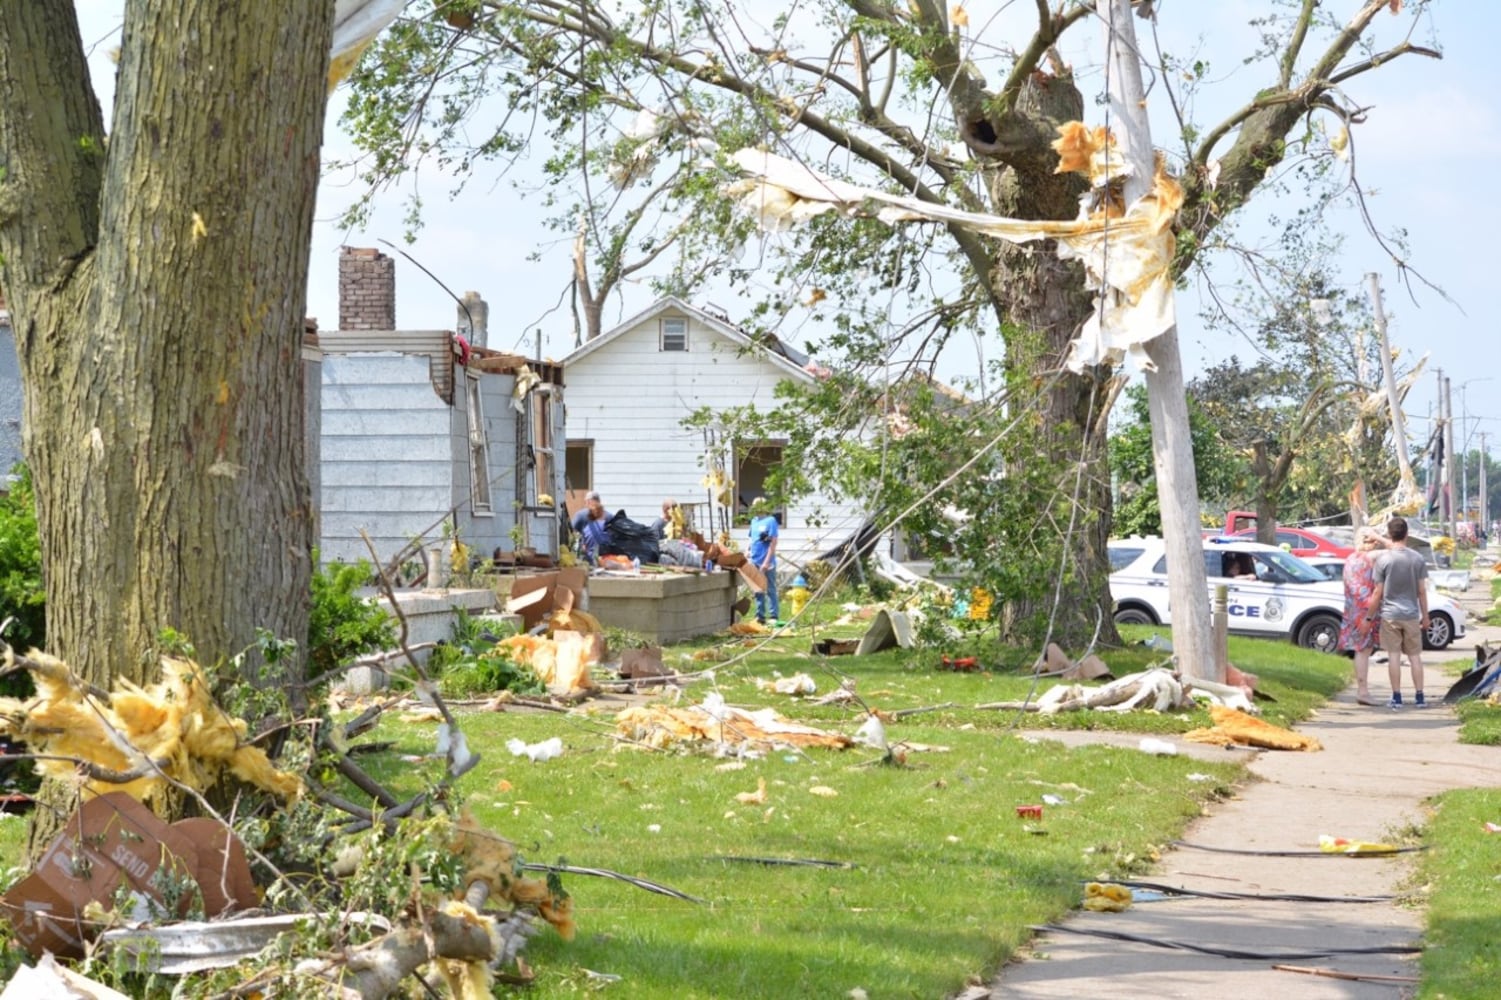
797	596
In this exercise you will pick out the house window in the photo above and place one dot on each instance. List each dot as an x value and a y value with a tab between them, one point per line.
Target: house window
542	449
674	333
754	464
578	467
479	453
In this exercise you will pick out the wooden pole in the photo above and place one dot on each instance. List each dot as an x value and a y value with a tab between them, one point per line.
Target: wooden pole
1394	401
1172	447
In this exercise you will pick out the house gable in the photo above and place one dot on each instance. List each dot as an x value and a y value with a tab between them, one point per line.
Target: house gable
627	399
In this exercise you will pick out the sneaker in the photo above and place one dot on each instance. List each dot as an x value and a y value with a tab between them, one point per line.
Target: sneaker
1417	700
1396	701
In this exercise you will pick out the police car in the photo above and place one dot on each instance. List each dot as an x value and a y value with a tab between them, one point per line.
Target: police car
1279	596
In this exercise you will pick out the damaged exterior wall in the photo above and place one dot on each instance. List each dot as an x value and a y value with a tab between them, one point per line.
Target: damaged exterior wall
396	457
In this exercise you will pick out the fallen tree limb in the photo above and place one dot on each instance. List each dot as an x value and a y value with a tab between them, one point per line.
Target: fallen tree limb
1353	976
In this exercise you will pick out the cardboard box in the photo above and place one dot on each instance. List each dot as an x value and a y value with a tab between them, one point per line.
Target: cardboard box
114	843
534	596
642	662
223	871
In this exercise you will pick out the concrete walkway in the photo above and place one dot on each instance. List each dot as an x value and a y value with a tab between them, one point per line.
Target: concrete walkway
1369	783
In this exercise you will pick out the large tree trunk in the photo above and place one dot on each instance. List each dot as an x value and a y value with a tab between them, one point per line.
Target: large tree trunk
158	286
1046	304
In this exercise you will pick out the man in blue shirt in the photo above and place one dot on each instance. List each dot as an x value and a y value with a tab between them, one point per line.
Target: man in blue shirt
763	554
589	524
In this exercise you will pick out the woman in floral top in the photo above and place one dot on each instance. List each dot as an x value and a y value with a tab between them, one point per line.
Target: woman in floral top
1359	633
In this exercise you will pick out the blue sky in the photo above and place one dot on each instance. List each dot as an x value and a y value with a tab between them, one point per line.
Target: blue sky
1433	131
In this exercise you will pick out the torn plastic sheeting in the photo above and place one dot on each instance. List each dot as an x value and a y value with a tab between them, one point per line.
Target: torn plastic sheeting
1127	257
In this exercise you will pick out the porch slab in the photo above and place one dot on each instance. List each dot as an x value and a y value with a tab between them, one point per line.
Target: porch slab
664	607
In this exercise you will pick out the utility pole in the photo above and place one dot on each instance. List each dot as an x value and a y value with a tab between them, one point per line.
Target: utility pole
1485	499
1394	401
1172	448
1447	402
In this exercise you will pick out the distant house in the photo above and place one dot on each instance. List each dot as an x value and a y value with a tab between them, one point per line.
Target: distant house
630	389
423	434
10	397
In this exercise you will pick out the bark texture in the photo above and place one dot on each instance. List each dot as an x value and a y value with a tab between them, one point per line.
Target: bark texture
1046	300
158	284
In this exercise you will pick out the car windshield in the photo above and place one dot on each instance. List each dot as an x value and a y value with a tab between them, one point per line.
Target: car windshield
1289	567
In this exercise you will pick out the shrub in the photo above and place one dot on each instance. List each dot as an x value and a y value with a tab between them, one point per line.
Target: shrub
22	596
342	624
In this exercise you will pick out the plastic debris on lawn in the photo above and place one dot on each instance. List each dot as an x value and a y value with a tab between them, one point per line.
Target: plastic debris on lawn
537	753
795	685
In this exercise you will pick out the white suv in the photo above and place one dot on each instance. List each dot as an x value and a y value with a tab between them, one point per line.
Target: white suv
1285	598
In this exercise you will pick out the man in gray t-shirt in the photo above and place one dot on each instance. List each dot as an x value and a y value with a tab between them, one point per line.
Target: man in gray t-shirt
1401	599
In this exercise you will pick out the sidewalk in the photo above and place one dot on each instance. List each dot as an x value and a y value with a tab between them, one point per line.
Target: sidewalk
1369	782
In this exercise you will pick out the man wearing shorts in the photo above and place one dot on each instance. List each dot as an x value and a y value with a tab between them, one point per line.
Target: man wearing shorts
1401	599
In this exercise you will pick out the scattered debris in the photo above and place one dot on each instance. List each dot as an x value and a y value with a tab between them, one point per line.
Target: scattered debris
1106	897
137	740
643	662
888	629
48	980
1232	726
714	723
1339	845
537	753
115	847
756	798
1158	748
795	685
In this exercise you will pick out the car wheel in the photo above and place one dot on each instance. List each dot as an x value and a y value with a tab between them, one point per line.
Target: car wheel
1135	616
1440	632
1319	632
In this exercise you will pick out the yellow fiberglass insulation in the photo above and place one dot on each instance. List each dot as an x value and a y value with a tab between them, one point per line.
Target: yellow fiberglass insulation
491	859
174	723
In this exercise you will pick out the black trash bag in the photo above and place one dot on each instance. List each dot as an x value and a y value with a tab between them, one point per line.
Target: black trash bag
631	539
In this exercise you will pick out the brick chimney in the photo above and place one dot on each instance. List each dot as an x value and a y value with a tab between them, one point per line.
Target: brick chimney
367	289
473	322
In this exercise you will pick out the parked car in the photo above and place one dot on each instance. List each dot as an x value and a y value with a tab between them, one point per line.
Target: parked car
1285	598
1303	542
1446	619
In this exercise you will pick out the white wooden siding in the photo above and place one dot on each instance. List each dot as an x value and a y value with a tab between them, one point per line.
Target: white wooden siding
630	398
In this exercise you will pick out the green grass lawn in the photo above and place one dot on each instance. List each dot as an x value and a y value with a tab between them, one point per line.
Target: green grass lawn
932	877
1463	953
922	875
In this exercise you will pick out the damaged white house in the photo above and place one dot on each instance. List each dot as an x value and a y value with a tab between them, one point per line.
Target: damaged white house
629	391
